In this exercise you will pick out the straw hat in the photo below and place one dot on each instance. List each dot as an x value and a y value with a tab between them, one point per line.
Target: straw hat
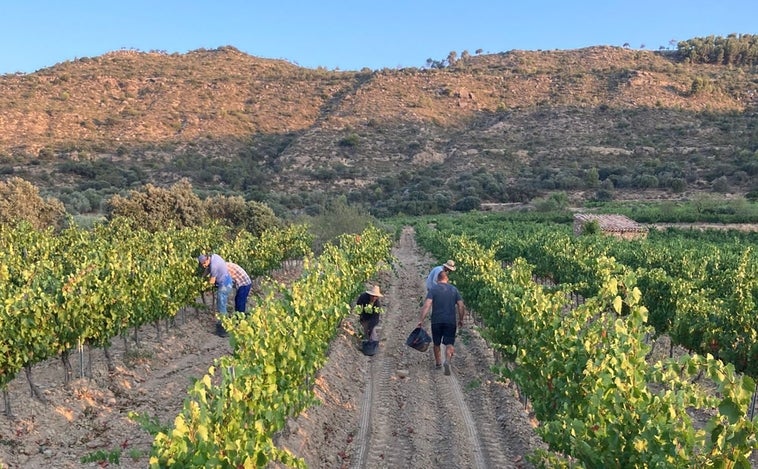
374	291
449	265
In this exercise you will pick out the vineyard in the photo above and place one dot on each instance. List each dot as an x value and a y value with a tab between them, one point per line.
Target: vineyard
573	321
580	347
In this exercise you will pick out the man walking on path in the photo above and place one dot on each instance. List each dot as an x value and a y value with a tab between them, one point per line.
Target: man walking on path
444	300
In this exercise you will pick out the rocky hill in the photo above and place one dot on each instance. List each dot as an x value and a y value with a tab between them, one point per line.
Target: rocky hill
602	121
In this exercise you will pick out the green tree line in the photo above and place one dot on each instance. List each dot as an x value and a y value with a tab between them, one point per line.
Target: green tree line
735	49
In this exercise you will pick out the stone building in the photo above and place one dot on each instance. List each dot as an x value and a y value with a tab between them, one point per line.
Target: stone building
615	225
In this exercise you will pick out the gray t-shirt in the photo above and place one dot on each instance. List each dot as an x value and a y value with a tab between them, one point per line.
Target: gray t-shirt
444	297
218	269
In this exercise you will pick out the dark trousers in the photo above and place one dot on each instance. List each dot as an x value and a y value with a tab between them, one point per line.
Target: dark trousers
240	299
369	322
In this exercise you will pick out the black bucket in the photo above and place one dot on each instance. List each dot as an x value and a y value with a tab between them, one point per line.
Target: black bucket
419	339
369	347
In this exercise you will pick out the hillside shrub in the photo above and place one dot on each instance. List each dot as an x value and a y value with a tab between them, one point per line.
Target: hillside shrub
349	141
467	204
336	217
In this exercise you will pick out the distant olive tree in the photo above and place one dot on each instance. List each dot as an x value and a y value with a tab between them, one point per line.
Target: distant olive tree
155	208
678	185
337	217
645	181
591	228
20	200
592	178
603	195
442	200
235	212
555	201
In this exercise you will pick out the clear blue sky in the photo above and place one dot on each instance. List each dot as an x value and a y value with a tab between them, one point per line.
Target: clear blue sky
352	34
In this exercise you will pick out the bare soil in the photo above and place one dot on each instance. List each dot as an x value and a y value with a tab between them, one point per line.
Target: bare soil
90	414
390	410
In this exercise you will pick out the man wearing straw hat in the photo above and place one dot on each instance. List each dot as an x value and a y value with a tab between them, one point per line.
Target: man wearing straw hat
369	306
431	279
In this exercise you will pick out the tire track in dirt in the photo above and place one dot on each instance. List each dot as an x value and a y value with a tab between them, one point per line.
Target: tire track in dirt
473	435
502	423
364	426
463	437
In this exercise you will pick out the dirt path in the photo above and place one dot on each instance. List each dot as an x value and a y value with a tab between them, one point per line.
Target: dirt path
395	410
392	410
